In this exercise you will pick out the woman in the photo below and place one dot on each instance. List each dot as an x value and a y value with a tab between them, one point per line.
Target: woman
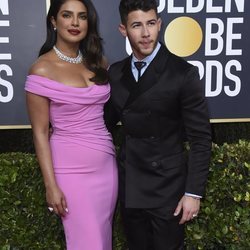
67	88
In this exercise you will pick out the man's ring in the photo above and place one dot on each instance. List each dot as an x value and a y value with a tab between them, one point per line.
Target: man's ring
194	215
50	209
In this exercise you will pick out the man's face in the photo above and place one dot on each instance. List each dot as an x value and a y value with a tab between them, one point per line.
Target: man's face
142	29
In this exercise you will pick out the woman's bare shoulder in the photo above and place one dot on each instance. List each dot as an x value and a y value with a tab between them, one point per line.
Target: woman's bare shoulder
42	66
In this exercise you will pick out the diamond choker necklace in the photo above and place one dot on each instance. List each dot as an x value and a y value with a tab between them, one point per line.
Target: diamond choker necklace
65	58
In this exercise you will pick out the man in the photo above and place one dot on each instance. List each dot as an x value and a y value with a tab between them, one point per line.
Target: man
160	106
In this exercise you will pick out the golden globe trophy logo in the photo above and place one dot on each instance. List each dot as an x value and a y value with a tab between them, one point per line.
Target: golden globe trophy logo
184	36
219	38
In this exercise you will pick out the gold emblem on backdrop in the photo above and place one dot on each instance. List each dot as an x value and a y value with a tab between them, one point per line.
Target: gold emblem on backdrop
183	36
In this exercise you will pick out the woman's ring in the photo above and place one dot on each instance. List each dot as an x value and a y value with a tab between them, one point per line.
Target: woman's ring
194	215
50	209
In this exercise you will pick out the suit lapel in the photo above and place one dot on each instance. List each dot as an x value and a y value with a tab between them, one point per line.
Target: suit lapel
148	79
128	80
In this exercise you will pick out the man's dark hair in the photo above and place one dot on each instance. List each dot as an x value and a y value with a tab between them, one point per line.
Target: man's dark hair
127	6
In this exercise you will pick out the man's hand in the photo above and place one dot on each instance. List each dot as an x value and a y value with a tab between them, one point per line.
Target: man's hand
190	207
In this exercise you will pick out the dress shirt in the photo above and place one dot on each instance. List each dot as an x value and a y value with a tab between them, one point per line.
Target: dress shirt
147	60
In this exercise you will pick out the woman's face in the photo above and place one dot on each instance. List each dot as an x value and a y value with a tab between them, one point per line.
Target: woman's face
71	22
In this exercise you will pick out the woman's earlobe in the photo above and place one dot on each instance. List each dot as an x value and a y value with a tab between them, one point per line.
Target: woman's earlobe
53	22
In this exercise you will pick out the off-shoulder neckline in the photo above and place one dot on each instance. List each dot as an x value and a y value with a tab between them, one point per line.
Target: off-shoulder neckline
60	83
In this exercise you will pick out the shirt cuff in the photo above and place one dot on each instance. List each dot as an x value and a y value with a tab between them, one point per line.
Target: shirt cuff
193	195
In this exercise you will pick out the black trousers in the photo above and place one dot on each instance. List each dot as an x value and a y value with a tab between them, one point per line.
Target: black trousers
152	229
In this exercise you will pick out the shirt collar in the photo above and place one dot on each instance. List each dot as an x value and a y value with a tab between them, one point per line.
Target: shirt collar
147	59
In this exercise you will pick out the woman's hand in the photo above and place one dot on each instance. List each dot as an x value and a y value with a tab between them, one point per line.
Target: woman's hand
56	200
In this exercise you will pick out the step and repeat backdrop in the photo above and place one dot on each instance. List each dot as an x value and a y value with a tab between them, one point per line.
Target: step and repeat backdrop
211	34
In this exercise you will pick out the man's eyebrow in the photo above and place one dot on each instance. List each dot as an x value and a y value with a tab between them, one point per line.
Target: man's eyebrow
138	22
152	20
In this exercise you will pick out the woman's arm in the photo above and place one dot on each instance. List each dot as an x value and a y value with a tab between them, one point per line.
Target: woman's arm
38	109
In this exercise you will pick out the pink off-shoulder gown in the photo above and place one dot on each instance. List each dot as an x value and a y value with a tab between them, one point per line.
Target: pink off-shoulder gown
83	159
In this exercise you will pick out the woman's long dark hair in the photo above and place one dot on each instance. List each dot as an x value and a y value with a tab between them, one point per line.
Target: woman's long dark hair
90	46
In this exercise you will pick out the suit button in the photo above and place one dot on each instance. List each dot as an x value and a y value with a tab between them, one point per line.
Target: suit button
154	164
125	111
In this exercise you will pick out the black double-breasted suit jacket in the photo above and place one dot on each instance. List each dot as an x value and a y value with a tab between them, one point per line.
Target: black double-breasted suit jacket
158	113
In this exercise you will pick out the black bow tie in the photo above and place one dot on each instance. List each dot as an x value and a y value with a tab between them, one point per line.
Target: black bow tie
139	65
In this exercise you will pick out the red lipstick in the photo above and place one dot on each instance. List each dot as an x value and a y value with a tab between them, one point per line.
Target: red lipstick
74	32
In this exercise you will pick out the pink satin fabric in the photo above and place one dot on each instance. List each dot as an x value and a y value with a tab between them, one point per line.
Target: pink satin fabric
83	159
